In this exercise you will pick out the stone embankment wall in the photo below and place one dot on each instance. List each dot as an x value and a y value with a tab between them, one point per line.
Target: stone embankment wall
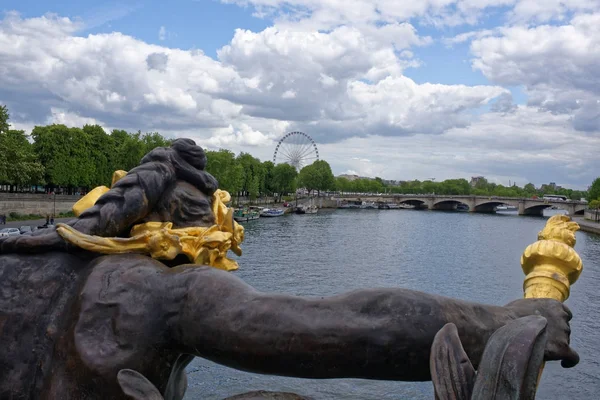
43	204
326	203
590	222
40	204
592	215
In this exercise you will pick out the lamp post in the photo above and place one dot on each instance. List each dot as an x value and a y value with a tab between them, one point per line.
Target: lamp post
54	211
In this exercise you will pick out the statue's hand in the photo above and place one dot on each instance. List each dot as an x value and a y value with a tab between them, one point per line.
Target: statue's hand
558	329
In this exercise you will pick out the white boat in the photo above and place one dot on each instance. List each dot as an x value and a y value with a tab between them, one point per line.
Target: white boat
312	209
369	205
506	208
271	212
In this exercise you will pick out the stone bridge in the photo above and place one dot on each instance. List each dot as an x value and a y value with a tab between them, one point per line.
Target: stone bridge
481	204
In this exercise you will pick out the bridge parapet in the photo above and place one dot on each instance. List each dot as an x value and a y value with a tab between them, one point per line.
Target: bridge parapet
526	206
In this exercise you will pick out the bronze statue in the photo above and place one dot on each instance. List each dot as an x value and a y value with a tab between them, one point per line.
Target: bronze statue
80	320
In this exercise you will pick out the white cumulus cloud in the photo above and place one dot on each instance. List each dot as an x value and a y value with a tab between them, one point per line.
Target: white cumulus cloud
338	71
558	65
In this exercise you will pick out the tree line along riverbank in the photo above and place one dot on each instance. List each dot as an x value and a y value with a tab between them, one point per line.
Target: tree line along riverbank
73	160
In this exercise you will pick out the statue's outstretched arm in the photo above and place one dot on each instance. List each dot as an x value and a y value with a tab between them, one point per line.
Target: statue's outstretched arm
133	305
377	333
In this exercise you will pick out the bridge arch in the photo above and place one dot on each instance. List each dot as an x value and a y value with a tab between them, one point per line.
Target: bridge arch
580	211
450	204
489	205
537	209
537	206
416	202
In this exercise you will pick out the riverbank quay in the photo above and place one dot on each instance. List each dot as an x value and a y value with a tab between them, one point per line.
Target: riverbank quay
588	226
37	204
32	223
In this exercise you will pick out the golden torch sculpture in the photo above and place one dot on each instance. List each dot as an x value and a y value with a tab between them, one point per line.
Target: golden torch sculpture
551	265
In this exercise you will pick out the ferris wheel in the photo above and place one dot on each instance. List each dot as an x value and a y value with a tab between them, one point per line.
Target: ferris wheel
297	149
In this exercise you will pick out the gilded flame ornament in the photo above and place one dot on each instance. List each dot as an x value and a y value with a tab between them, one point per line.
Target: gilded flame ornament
551	264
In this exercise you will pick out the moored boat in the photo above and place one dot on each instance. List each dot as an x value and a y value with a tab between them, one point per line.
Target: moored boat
506	208
244	215
271	212
311	209
387	206
368	205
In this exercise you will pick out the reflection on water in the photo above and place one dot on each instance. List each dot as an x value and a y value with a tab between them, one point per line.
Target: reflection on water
468	256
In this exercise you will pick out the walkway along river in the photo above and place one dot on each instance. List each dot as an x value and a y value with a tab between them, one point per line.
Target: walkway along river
469	256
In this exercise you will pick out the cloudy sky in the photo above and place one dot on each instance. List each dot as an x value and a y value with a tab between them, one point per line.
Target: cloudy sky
508	89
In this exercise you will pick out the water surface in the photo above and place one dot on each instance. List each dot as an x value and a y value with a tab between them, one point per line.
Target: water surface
469	256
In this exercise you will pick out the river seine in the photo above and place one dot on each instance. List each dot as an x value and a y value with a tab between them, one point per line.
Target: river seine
469	256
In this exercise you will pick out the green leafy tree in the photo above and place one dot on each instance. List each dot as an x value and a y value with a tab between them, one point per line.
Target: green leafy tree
225	168
326	180
482	184
428	187
307	178
153	140
66	154
529	190
578	195
129	149
359	185
317	176
342	184
4	126
267	182
375	185
455	187
21	167
252	173
101	147
4	117
284	179
594	204
254	188
594	190
50	150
